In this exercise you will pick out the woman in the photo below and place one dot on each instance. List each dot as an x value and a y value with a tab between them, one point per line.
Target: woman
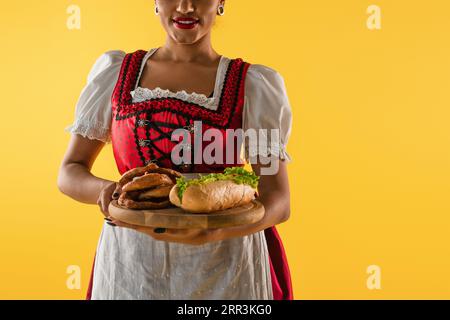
123	104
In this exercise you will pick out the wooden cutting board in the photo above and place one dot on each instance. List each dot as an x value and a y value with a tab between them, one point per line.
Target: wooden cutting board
177	218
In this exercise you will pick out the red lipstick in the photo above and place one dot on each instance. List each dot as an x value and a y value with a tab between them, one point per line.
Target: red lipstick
185	23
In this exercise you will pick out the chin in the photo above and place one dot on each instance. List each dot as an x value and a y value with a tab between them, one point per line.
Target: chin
184	39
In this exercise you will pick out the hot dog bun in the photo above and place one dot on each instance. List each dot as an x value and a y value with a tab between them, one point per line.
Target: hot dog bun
212	196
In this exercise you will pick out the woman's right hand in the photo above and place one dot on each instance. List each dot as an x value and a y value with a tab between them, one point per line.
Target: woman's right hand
106	197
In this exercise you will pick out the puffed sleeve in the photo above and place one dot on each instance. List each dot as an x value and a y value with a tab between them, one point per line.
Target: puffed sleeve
266	107
93	110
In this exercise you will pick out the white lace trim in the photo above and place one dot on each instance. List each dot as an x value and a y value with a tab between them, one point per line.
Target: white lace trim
142	94
91	130
278	151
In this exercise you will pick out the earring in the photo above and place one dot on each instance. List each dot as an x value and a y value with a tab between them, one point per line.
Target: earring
156	10
221	10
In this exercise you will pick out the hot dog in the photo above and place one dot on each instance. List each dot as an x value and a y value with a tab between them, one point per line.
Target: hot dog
215	191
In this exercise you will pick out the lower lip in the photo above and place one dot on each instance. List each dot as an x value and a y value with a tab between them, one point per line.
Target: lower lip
185	25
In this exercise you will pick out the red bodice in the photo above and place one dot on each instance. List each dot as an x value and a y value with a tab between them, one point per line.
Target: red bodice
142	132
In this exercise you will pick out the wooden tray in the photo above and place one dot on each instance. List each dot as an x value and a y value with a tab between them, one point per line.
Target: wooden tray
177	218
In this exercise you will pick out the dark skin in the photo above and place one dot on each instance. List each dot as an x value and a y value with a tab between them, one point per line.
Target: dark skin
185	53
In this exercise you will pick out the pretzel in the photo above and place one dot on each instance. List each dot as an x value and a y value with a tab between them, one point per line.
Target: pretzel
148	180
125	200
138	171
129	175
171	173
158	192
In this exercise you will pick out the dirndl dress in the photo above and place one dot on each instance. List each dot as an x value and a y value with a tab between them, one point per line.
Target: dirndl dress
138	123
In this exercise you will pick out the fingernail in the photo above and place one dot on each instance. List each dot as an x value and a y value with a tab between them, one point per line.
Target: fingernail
160	230
107	219
111	224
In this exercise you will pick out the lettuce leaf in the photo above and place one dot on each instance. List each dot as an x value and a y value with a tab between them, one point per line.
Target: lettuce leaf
236	174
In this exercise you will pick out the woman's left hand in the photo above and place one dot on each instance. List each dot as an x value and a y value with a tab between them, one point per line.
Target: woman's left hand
186	236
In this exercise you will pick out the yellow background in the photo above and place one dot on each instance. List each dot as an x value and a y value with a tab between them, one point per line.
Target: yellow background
370	178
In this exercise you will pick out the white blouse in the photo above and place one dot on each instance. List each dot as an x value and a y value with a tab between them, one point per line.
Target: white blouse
266	104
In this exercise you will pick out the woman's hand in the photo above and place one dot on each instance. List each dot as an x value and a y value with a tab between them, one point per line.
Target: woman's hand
105	197
186	236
